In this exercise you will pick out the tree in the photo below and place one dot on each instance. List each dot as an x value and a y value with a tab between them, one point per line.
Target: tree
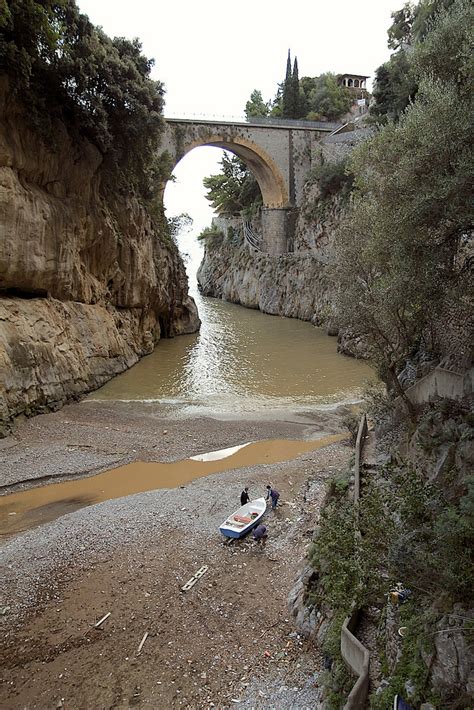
325	98
62	67
289	102
397	264
400	31
395	86
300	107
256	106
276	107
234	189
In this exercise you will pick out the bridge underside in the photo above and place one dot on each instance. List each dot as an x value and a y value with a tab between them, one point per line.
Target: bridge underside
275	193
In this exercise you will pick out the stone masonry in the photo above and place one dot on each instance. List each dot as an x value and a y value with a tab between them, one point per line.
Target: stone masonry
280	156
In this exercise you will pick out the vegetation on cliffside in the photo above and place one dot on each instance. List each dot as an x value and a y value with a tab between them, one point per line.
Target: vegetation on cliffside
407	235
396	83
404	278
234	190
63	67
415	518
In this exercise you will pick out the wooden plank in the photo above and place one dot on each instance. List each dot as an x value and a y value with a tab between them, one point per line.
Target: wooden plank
191	582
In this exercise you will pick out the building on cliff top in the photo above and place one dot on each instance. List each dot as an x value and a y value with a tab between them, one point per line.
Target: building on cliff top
356	83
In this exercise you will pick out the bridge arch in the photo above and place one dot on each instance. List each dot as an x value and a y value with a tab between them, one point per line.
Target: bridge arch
279	155
263	167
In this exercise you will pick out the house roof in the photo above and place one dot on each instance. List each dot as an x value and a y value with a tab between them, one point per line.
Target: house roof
353	76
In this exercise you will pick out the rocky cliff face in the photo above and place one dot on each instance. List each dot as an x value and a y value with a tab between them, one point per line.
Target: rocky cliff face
295	285
87	286
289	285
317	222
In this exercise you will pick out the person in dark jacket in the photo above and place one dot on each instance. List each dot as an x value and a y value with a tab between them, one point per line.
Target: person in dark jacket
274	495
260	533
244	496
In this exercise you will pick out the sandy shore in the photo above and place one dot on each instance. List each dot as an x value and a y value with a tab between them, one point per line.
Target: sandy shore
228	639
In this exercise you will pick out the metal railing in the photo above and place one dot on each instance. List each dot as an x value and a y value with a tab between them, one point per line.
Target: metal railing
252	239
295	123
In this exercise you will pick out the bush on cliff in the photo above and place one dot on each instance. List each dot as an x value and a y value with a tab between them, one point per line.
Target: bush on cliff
63	67
333	179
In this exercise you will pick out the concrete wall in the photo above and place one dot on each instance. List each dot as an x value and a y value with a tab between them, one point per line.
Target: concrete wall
353	652
339	146
358	456
357	658
442	383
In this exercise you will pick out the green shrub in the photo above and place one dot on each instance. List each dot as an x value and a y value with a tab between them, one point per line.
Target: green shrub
211	236
333	179
60	66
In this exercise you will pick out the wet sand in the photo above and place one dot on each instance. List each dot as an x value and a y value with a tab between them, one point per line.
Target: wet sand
130	556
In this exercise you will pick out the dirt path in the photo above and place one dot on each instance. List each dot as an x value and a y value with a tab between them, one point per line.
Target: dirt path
228	639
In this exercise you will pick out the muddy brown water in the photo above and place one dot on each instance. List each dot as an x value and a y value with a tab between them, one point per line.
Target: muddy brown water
242	363
27	509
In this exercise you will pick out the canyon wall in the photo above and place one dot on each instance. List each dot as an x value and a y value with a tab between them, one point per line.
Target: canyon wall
290	285
297	284
87	283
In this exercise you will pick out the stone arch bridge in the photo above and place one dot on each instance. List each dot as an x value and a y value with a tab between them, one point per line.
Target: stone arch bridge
278	152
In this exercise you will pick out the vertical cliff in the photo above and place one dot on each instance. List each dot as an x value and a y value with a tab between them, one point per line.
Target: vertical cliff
88	284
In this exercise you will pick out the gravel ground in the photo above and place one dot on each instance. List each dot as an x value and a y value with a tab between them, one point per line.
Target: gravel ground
226	643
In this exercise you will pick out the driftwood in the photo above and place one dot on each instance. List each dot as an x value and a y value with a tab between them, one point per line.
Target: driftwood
145	636
104	618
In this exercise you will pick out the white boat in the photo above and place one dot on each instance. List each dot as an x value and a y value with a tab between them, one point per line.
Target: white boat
244	519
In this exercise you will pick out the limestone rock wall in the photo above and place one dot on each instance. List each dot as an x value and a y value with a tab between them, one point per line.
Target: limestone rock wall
317	222
289	285
87	285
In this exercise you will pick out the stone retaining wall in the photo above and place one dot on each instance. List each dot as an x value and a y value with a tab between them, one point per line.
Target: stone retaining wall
442	383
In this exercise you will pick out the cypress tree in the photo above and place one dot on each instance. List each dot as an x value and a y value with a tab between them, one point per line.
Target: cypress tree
288	68
295	88
288	94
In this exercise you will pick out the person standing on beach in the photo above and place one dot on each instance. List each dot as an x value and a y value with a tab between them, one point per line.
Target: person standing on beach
274	495
244	496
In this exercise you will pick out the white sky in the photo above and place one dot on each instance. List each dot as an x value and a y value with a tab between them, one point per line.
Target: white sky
211	55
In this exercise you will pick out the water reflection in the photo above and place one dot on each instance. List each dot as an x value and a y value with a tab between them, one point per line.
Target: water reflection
242	361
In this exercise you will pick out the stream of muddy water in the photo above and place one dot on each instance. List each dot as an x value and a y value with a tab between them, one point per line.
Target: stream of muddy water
26	509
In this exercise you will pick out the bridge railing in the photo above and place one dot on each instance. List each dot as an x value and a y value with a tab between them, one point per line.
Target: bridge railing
271	121
328	126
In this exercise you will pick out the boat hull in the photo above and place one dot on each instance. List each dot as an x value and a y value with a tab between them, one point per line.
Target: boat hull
244	519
